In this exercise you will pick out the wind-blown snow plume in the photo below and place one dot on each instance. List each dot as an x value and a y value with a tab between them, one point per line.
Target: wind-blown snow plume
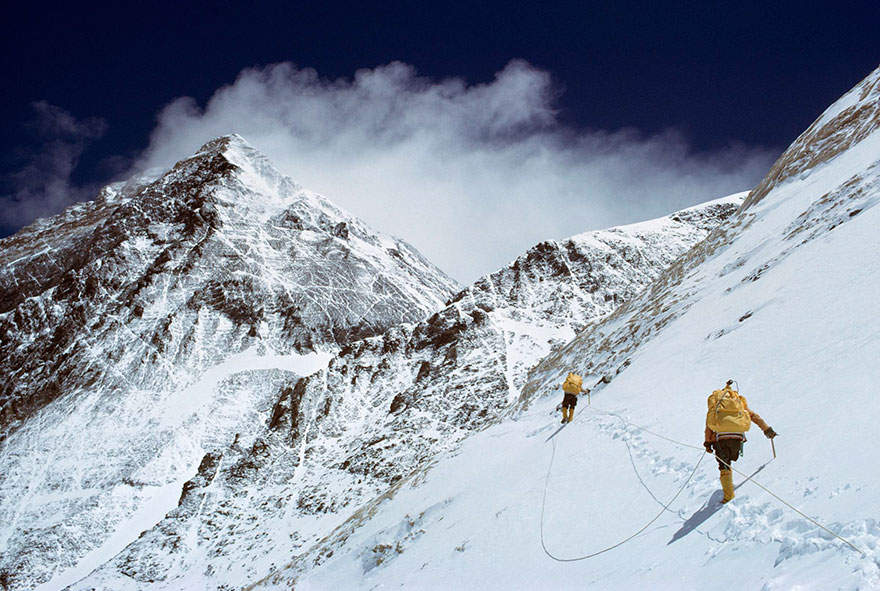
426	159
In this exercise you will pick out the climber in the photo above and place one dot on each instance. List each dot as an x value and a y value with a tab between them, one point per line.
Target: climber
727	421
572	386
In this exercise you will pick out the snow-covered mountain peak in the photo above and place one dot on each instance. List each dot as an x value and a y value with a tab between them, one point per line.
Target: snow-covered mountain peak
157	321
231	173
245	187
226	143
254	168
236	150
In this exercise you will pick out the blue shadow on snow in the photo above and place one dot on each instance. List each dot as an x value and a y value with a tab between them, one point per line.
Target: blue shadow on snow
707	510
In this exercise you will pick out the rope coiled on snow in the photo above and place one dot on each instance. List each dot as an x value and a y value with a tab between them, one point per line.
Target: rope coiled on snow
666	507
620	543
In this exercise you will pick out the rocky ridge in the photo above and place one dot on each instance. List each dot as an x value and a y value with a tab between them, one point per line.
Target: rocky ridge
221	244
385	406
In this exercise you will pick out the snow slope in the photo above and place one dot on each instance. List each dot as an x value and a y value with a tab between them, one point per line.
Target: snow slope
388	404
784	300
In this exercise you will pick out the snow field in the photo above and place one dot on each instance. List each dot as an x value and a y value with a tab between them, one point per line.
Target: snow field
72	467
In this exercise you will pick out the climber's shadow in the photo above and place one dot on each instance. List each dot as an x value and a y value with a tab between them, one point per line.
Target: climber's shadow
707	510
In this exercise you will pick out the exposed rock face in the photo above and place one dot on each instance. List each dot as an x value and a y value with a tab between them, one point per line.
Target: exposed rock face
141	329
388	404
221	244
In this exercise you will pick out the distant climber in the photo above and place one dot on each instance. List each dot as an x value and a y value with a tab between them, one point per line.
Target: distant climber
727	421
572	386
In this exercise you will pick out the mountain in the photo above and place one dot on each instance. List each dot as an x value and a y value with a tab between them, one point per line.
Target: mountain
782	298
343	437
222	243
157	321
425	452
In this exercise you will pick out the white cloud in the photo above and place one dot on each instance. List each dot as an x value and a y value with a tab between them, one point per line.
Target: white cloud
472	175
43	185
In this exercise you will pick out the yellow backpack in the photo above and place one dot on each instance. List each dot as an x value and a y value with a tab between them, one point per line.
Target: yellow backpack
572	384
728	412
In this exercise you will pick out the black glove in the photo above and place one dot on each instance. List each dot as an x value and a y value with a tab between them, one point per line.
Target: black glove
769	432
708	446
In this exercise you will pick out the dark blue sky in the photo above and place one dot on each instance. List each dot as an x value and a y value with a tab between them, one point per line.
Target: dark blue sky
734	72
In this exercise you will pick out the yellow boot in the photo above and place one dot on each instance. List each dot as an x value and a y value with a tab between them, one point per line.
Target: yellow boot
727	485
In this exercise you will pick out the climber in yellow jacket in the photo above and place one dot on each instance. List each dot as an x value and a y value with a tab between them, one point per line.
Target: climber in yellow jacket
727	421
572	386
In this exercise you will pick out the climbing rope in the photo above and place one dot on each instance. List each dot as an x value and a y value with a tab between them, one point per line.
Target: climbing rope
620	543
799	512
666	507
623	420
748	479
